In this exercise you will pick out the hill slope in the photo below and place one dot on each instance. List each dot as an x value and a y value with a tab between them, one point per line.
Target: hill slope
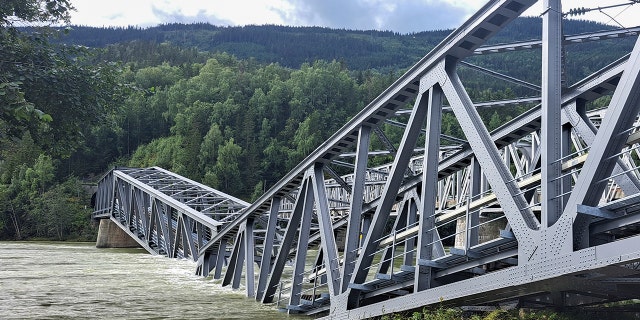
292	46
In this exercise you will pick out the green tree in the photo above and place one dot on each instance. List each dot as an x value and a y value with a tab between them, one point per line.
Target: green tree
226	172
17	152
41	80
28	183
308	136
44	11
209	147
164	152
495	121
61	213
157	77
38	178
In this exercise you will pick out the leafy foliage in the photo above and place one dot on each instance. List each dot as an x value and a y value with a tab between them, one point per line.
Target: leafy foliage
441	313
49	95
44	11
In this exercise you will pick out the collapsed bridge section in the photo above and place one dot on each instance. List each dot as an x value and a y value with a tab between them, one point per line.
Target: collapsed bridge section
165	213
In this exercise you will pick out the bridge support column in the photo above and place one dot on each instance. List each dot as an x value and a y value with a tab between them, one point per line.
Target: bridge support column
487	231
111	236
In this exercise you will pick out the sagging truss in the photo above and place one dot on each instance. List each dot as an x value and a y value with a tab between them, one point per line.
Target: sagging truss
542	211
165	213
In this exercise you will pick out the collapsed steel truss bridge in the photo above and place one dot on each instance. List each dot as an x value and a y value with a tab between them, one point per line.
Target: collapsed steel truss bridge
542	211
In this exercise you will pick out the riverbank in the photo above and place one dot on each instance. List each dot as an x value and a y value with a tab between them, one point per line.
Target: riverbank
627	310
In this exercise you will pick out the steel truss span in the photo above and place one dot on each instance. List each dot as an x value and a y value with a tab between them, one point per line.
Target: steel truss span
165	213
542	211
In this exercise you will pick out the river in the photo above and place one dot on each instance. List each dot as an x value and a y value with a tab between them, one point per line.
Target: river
62	280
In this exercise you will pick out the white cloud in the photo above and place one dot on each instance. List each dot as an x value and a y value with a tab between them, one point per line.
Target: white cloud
399	15
152	12
113	13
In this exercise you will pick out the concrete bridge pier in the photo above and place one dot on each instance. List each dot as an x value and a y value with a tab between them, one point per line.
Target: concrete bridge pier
487	231
110	235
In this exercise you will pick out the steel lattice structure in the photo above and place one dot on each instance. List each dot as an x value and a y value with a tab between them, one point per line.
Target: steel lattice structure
542	211
165	213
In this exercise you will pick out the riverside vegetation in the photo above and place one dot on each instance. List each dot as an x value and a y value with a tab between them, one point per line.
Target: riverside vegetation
441	313
498	314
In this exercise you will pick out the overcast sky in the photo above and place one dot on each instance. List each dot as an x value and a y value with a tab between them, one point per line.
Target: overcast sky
402	16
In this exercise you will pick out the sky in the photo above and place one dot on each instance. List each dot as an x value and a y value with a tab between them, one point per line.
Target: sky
403	16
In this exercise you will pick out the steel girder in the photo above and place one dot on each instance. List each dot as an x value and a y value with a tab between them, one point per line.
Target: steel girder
462	221
165	213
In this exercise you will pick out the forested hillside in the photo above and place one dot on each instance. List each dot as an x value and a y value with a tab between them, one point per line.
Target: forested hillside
293	46
233	107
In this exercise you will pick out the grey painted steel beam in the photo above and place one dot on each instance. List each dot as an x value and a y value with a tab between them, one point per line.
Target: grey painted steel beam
393	183
221	258
267	251
240	260
285	247
576	115
352	241
249	249
512	282
235	261
507	192
328	243
412	219
608	141
551	131
427	233
589	89
501	76
578	38
302	244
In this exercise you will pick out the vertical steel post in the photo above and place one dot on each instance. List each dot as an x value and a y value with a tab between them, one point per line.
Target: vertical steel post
285	246
551	131
388	197
221	257
409	243
565	181
328	243
237	270
355	210
423	275
167	223
303	246
249	254
267	250
234	260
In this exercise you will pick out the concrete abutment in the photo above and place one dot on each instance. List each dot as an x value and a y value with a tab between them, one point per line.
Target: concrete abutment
112	236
